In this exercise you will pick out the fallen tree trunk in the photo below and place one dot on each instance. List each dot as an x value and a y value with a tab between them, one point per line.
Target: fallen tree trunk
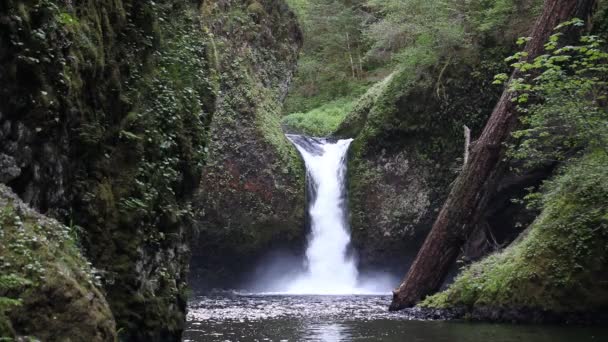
467	201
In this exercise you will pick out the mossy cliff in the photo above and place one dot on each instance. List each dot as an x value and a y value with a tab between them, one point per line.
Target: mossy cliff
46	285
409	141
106	113
253	192
104	119
409	150
557	270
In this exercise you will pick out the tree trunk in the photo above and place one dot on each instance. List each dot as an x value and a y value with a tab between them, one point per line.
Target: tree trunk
467	144
466	201
350	56
360	62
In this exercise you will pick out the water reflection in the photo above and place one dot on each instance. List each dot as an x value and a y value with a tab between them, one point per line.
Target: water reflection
349	318
332	332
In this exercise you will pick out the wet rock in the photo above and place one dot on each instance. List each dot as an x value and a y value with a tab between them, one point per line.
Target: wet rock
395	185
85	123
252	194
8	168
419	313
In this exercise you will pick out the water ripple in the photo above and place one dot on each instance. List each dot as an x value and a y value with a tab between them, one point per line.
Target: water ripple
231	316
254	307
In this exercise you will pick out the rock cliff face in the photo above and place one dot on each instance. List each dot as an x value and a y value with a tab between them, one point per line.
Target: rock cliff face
252	193
407	153
106	111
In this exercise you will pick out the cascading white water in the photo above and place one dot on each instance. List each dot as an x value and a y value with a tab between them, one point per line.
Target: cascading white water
330	270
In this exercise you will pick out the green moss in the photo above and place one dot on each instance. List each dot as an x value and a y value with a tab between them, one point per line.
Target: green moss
9	283
46	282
243	77
253	192
354	121
124	93
134	147
268	125
256	8
560	264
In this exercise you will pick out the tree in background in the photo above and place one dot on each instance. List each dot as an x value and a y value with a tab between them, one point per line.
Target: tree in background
351	45
331	65
415	31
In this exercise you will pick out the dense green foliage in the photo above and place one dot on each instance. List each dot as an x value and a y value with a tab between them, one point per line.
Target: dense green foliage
160	147
389	35
321	121
414	31
562	96
9	283
560	264
331	66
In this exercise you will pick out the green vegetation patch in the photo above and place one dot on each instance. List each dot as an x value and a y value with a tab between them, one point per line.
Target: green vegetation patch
321	121
47	289
561	264
354	120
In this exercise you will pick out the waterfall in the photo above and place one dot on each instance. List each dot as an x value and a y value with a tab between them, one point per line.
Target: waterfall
330	268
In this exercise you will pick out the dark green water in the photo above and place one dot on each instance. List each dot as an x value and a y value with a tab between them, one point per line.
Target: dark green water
234	317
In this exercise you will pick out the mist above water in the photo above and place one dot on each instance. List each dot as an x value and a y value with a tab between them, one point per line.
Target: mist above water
329	268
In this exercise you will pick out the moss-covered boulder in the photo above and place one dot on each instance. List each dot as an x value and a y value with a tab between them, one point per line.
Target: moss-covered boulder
252	193
48	290
408	148
558	270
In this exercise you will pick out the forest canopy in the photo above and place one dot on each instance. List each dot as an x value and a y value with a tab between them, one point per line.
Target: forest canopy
352	44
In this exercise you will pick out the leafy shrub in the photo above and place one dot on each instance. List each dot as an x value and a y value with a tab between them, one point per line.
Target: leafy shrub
562	97
321	121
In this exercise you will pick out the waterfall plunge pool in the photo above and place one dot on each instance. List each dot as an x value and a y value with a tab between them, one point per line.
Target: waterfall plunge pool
231	316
